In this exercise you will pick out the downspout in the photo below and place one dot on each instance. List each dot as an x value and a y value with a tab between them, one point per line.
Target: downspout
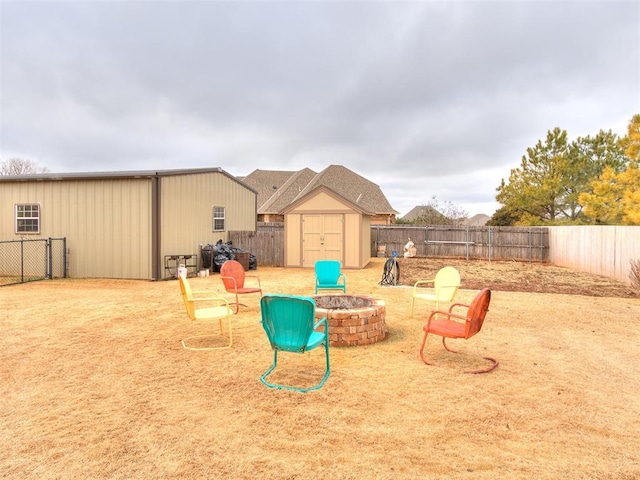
156	265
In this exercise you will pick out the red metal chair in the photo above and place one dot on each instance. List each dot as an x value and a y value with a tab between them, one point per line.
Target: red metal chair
233	278
459	326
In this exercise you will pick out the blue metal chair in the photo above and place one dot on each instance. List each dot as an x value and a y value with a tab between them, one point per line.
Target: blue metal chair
328	276
290	324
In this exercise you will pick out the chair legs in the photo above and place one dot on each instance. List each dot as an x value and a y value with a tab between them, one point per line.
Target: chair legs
264	376
229	345
494	362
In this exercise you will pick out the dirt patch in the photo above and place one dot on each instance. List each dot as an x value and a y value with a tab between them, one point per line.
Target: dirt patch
516	277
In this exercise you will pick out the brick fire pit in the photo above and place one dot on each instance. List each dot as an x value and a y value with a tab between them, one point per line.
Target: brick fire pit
353	319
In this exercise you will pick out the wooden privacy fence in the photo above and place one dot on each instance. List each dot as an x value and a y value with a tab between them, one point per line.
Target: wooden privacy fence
529	244
601	249
266	243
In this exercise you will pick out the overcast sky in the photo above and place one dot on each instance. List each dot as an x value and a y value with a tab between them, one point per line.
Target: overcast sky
423	98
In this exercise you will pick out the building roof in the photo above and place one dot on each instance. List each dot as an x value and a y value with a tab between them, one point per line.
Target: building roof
287	187
421	211
115	175
479	220
428	211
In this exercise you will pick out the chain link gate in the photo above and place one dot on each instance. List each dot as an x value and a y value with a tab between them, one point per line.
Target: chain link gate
28	260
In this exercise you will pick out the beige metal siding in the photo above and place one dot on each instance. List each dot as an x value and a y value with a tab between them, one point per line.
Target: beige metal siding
106	222
186	210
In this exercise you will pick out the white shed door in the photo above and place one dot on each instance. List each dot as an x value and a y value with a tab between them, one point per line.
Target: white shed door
322	238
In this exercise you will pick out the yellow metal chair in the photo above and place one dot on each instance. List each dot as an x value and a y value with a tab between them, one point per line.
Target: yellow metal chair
445	287
216	307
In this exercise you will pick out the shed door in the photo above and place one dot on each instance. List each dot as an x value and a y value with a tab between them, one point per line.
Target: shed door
322	238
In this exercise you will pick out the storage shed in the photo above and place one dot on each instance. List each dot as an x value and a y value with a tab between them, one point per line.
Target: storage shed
323	225
134	225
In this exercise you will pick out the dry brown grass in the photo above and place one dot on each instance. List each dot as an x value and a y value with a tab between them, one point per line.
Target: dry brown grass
95	384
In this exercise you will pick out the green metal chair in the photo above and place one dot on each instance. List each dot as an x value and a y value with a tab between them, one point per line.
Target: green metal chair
290	324
328	276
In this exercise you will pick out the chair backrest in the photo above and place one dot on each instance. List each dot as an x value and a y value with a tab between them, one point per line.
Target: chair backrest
288	321
447	283
477	312
234	269
187	296
327	272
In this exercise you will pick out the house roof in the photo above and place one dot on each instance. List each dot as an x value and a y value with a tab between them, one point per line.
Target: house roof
418	211
292	186
479	220
266	183
421	211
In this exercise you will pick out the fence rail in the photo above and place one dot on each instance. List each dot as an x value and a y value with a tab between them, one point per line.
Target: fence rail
28	260
530	244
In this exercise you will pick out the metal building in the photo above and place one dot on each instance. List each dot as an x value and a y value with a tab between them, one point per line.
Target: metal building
135	225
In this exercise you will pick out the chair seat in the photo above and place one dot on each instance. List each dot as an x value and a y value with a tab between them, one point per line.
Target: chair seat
212	312
249	290
446	328
289	345
426	296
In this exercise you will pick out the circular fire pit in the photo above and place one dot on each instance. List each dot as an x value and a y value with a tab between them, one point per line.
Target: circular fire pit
353	319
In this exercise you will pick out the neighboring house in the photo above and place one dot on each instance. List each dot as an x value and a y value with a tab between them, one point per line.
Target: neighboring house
479	220
427	215
277	190
135	225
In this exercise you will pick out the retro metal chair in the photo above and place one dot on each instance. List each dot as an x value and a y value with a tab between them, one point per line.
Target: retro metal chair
233	278
445	288
290	324
216	307
460	326
328	276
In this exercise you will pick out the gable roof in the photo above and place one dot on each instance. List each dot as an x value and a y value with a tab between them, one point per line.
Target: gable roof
421	211
317	191
292	186
266	183
479	220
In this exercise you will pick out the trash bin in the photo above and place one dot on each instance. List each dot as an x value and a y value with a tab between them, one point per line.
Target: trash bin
243	258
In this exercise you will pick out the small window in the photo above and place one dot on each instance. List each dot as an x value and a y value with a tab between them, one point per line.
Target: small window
218	219
27	218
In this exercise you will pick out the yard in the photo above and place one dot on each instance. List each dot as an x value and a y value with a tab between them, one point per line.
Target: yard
95	384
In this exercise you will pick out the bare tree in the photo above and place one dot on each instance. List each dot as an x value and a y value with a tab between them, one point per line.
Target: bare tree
447	213
20	166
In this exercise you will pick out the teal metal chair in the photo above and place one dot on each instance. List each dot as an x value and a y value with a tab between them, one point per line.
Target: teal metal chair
328	276
290	324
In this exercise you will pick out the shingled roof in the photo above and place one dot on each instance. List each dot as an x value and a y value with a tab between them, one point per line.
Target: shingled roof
287	187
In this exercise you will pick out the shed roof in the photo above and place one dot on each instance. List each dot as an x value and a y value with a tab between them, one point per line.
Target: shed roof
291	186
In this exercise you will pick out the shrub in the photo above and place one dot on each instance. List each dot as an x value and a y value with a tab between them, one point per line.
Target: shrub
634	273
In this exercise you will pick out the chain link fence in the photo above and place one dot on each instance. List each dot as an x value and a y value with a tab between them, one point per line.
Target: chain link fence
32	259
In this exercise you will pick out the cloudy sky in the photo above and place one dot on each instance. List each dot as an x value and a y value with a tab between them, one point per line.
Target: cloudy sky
424	98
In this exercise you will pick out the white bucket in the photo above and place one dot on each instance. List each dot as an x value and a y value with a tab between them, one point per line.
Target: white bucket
182	271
